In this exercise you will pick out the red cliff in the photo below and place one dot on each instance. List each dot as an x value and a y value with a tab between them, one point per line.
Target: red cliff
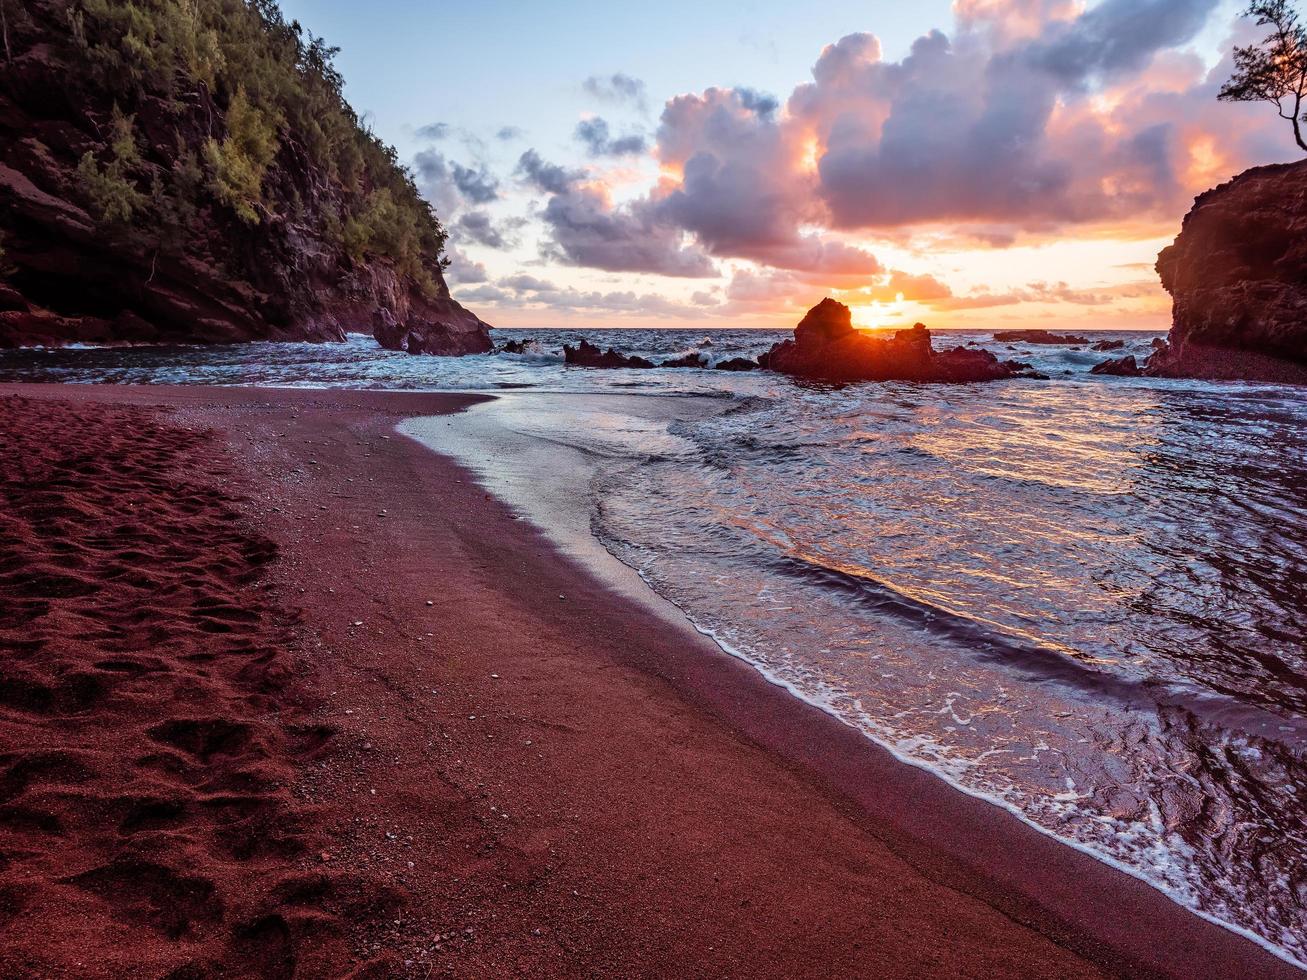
1237	275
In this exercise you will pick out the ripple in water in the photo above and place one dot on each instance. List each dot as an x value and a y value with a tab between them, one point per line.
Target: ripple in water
1082	600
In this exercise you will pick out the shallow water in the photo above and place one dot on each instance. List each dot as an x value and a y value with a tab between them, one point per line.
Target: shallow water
1082	598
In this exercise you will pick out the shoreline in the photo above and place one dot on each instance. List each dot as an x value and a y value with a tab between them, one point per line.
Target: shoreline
536	476
694	765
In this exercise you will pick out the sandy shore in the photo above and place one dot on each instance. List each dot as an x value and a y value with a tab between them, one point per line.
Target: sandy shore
286	694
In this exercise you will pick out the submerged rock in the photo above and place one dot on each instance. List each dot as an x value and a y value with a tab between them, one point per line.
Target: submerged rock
1038	337
587	354
1237	275
1125	367
826	346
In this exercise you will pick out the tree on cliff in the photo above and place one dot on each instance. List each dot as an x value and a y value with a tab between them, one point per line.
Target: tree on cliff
1275	70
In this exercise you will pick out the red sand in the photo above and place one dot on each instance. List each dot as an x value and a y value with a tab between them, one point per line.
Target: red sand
207	768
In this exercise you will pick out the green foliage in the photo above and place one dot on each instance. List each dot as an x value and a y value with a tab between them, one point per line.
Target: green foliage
260	119
239	162
110	189
1275	70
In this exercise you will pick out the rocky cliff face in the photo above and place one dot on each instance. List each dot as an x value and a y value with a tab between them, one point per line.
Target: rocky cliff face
176	207
826	346
1237	274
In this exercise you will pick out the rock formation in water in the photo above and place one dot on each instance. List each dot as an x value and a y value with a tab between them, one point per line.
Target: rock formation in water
826	346
1124	367
685	361
1237	275
736	364
189	171
586	354
1038	337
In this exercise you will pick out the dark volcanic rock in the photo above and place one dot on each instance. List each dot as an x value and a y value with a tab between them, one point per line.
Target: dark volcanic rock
826	346
686	361
515	346
1125	367
587	354
1038	337
1106	345
1237	275
439	326
737	364
205	274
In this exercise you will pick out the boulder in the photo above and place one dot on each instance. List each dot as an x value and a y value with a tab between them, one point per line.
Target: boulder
686	361
586	354
736	364
1124	367
1106	345
1038	337
515	346
436	326
826	346
1237	275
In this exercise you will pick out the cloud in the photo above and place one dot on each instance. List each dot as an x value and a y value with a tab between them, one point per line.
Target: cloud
1028	117
586	230
433	131
509	133
477	185
477	226
528	291
594	134
547	177
462	269
1117	36
739	193
617	88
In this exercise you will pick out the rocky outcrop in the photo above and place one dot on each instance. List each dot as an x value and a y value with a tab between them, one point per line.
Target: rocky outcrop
1038	337
685	361
112	230
826	346
1237	275
1122	367
586	354
432	326
736	364
1106	345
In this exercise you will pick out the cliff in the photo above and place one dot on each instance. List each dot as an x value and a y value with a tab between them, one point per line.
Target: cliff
1237	275
190	172
827	347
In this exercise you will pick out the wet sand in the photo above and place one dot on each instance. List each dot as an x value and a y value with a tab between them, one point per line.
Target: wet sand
284	693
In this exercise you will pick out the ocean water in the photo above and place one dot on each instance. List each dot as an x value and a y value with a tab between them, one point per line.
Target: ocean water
1084	599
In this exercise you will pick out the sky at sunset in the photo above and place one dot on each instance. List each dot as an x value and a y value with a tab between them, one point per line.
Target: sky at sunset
980	163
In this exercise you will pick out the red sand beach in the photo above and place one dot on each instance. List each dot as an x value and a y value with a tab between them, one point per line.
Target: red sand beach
285	694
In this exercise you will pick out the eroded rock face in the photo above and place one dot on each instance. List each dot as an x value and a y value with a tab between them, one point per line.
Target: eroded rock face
1237	275
826	346
432	326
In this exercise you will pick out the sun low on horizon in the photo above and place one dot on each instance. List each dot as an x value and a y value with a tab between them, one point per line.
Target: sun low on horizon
975	164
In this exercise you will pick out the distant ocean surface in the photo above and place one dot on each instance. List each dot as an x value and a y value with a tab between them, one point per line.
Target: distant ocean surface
1084	598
